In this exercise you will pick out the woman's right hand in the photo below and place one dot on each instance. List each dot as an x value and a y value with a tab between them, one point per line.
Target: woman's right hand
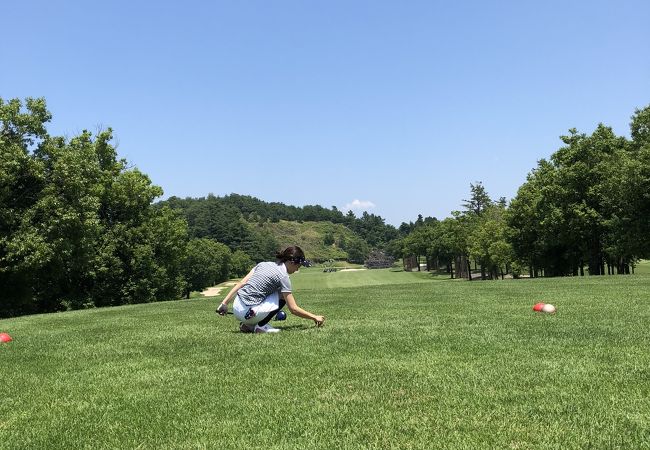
222	310
318	320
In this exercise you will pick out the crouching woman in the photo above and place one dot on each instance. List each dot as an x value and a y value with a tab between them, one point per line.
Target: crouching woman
261	294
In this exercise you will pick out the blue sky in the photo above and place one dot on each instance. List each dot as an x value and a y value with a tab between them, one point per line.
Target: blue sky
395	107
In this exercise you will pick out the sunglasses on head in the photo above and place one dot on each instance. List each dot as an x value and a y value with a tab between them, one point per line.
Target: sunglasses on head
301	262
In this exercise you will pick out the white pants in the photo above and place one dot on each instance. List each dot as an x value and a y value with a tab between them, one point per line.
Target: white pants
251	315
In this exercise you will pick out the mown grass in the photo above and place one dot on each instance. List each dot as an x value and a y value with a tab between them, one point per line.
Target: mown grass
316	279
642	268
425	364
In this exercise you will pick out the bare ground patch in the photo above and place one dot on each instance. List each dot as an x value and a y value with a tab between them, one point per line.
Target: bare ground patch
216	290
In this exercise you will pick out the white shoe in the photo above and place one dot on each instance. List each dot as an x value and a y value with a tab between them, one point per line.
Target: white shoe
266	329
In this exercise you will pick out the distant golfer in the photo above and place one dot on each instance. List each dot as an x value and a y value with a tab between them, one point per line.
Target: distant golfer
264	291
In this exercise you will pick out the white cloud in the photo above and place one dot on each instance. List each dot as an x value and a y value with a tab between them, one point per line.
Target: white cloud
359	205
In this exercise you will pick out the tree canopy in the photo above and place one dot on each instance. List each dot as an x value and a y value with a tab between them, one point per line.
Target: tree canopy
584	210
76	224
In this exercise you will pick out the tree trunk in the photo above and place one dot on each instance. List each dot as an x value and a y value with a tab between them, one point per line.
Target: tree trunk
596	265
462	267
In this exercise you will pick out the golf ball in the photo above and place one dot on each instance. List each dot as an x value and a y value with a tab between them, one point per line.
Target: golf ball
548	308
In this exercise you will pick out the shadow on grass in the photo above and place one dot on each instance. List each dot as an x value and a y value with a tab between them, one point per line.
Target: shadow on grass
288	328
296	327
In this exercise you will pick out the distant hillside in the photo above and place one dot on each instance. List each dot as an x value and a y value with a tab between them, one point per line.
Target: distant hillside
258	228
319	240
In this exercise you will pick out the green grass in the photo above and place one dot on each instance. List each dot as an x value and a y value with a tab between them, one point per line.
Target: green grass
418	364
643	268
315	279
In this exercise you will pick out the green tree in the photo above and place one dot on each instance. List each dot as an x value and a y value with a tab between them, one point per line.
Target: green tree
77	226
240	264
564	217
207	263
524	218
357	250
475	208
488	242
479	201
626	201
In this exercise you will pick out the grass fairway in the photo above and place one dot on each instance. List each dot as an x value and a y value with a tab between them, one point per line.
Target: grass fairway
426	364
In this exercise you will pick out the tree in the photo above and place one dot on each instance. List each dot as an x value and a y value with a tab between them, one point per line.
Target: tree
626	200
455	236
475	208
419	243
207	263
488	242
479	201
357	250
524	218
77	226
565	215
240	264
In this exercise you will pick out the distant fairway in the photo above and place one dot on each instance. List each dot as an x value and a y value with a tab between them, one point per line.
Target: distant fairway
404	361
314	278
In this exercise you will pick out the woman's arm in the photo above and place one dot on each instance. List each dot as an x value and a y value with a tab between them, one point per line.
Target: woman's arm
298	311
223	307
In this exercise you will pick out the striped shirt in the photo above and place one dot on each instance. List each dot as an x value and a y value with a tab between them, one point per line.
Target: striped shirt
267	278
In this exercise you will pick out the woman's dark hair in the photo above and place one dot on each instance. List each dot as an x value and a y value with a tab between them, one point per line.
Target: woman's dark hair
293	253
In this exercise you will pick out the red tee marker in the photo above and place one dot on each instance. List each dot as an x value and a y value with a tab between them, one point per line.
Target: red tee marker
4	337
538	307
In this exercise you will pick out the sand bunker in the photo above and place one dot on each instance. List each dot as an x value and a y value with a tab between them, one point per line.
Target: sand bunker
216	290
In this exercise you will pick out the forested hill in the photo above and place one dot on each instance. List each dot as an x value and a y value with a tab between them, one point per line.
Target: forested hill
256	210
259	228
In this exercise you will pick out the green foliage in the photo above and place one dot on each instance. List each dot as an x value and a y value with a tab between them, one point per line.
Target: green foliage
207	263
77	228
260	244
240	264
328	239
479	201
640	128
23	128
238	221
373	230
587	206
358	250
488	243
310	236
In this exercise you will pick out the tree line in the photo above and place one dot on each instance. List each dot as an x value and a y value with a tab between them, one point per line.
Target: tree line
78	227
231	219
584	210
